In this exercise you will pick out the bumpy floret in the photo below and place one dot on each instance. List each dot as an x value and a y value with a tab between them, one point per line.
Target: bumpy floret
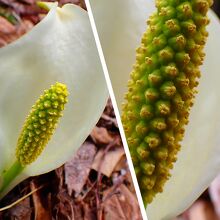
41	123
162	88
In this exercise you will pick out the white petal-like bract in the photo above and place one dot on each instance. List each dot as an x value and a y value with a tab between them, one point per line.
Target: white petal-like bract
61	48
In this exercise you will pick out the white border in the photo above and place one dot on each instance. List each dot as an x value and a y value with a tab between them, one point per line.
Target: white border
108	81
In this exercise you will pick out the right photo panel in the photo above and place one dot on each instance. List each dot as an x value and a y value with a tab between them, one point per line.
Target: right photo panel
163	63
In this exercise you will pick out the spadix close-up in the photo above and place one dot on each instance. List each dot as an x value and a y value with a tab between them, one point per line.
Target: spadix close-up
60	52
169	102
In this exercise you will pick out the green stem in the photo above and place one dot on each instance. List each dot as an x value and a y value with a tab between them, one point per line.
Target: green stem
10	174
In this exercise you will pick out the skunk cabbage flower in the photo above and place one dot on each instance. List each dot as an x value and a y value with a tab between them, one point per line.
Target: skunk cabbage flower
61	48
198	160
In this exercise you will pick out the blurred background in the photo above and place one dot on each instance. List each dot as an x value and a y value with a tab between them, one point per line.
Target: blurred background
216	7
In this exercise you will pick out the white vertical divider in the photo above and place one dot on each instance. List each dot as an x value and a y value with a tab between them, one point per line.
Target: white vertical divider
112	96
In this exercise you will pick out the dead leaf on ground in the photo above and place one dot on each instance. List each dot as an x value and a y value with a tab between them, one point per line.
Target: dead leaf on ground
15	33
106	163
24	27
108	121
122	205
6	27
214	191
2	43
22	9
122	164
64	208
40	211
129	182
21	211
59	173
77	169
109	110
101	136
202	210
88	213
30	2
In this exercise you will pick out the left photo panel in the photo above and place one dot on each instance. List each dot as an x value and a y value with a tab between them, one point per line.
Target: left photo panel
61	154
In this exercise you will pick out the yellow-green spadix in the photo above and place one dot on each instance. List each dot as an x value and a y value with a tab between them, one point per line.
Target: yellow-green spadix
61	48
40	124
37	130
198	161
161	89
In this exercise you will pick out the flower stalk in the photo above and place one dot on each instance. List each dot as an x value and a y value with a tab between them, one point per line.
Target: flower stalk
10	174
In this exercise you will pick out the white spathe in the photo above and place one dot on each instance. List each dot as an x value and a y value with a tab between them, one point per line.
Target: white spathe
120	25
60	48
